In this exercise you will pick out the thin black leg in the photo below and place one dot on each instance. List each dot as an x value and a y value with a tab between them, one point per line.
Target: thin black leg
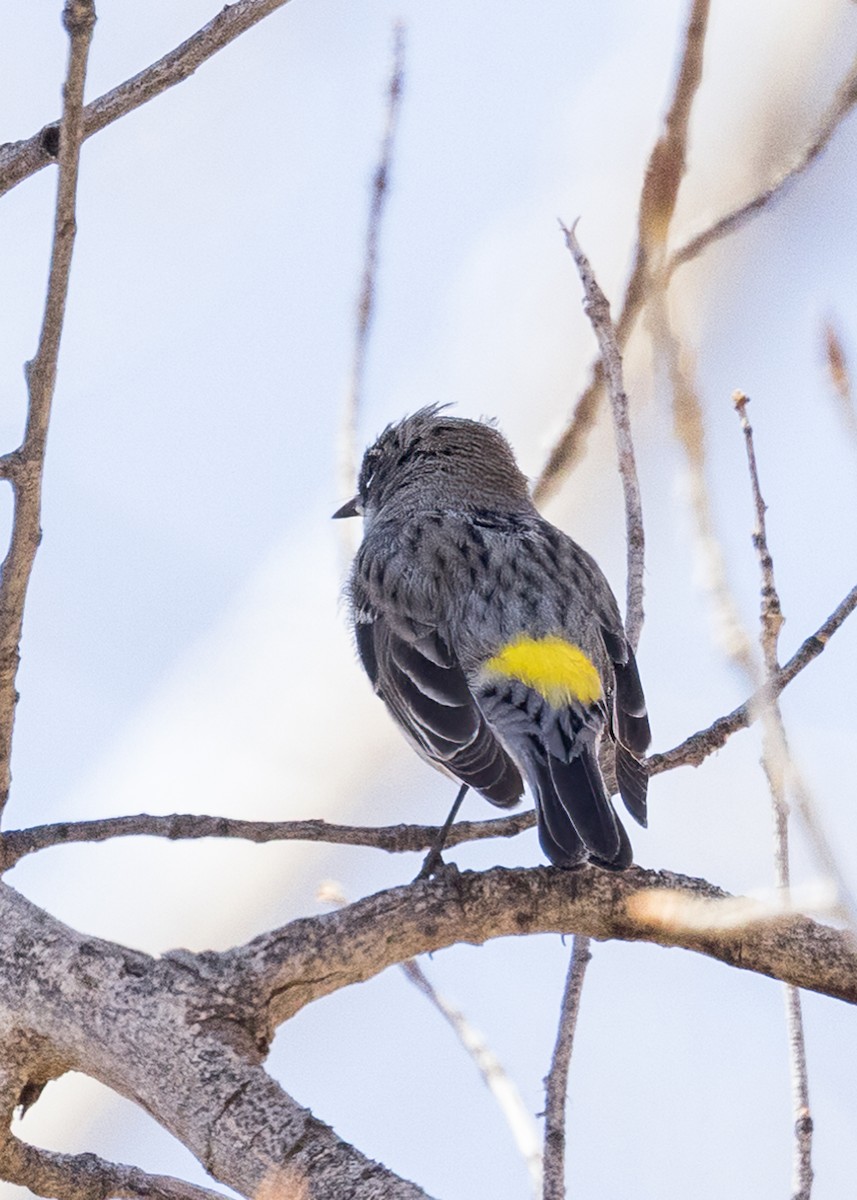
433	859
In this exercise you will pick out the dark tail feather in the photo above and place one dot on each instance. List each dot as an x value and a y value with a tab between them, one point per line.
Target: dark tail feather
633	781
632	722
577	814
557	836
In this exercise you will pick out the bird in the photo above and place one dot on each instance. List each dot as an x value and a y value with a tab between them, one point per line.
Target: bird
493	638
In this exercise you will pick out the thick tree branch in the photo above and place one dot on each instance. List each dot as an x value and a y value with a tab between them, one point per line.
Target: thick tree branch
183	1036
292	966
166	1035
24	466
19	160
88	1177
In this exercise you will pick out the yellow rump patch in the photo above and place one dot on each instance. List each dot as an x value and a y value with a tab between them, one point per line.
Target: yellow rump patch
555	668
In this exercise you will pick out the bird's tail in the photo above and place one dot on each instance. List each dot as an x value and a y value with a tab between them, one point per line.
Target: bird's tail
576	818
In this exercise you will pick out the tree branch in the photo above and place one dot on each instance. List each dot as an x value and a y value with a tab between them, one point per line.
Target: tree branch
165	1034
19	160
844	101
88	1177
695	749
396	839
776	760
24	466
289	967
597	309
556	1084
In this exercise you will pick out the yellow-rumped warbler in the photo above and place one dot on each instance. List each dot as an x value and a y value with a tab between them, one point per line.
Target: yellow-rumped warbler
493	638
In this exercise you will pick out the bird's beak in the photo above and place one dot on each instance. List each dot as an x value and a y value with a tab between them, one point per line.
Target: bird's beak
352	508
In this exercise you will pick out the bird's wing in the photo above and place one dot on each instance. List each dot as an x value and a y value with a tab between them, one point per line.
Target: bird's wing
414	671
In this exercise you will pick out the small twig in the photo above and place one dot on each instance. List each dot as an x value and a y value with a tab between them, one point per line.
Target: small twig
775	761
366	299
509	1100
556	1084
694	750
24	467
664	172
598	311
88	1177
396	839
20	160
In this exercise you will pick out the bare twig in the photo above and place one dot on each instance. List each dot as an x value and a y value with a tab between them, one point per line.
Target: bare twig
776	760
695	749
88	1177
396	839
19	160
366	299
664	173
23	467
515	1113
556	1084
598	310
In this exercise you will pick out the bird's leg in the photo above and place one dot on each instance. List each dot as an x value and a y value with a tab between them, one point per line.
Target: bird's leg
433	859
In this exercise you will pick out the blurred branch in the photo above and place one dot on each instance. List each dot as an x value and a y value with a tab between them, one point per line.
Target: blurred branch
494	1075
844	101
556	1084
695	749
366	300
597	309
571	446
840	376
23	467
19	160
676	910
689	431
776	762
664	172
